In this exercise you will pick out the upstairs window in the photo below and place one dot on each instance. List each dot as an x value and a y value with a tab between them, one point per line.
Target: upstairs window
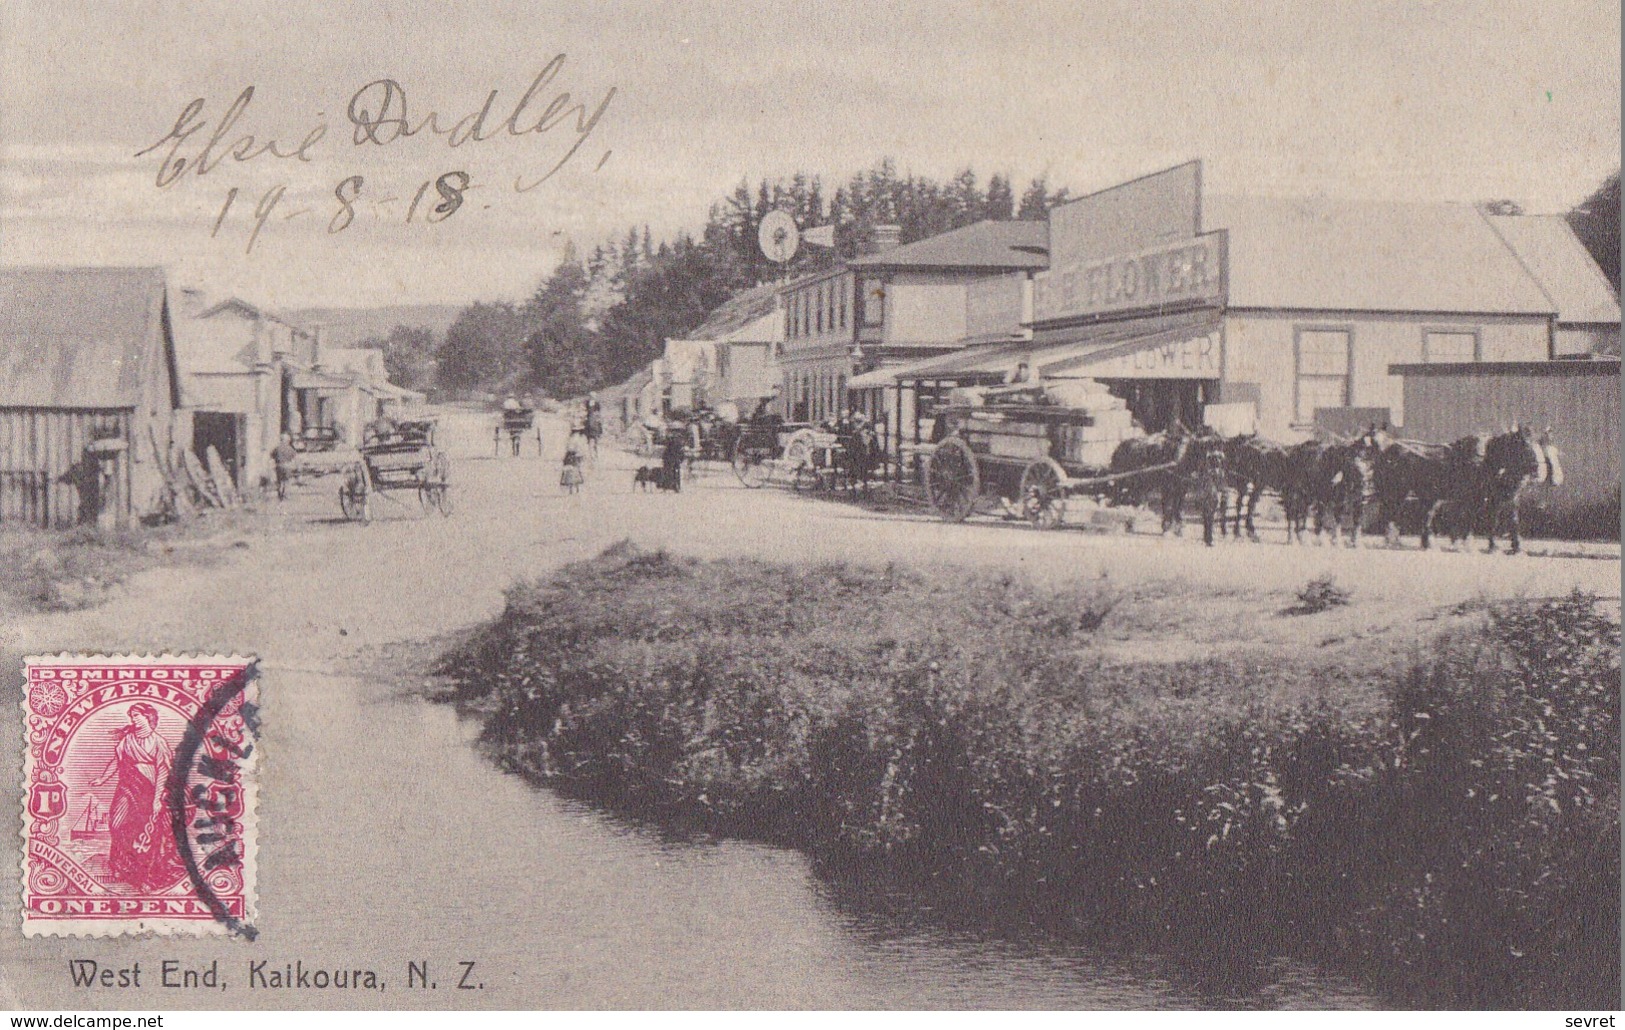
1446	346
874	301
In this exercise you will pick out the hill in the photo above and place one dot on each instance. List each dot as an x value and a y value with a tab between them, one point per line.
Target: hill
346	327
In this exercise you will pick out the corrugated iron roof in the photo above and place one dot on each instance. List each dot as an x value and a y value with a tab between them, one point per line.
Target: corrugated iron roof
80	337
984	244
1355	255
737	312
1561	264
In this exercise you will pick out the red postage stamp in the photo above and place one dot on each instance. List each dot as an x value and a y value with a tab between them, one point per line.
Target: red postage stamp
138	806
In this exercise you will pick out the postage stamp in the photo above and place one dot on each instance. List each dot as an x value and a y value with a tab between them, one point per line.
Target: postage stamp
138	806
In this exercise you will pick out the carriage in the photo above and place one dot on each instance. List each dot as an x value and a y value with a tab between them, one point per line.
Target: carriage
807	457
399	459
515	424
1032	455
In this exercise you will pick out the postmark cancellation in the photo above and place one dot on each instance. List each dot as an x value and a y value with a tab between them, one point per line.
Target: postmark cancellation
138	795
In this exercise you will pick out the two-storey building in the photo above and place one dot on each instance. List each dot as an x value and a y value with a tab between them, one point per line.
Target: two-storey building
899	304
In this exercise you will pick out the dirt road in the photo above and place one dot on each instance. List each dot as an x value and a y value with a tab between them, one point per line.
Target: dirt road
336	588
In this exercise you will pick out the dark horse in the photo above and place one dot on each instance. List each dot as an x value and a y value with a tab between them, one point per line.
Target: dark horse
1333	483
1511	460
1254	465
1168	448
1471	485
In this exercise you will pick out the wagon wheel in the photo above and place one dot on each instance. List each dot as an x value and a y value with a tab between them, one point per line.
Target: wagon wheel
354	493
1042	497
750	464
951	480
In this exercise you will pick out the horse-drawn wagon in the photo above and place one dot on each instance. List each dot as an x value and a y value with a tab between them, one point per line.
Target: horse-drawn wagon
515	424
1033	455
400	458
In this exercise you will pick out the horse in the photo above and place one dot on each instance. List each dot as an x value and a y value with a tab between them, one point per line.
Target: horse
1345	486
1253	465
1170	447
1511	460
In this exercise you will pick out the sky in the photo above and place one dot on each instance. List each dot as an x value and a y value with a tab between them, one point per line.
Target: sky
647	113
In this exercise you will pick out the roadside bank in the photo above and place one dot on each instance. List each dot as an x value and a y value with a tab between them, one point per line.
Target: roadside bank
1430	816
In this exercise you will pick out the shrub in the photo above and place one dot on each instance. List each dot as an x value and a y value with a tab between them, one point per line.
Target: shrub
1451	827
1320	594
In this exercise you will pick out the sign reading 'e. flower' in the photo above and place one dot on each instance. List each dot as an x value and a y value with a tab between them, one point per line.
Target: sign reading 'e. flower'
1170	274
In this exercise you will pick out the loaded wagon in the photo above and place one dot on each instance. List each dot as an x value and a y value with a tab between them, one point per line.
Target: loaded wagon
1031	454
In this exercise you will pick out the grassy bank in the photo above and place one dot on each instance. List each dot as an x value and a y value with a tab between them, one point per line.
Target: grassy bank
1446	823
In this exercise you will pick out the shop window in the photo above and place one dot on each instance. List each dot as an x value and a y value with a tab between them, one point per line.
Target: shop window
1323	371
1445	346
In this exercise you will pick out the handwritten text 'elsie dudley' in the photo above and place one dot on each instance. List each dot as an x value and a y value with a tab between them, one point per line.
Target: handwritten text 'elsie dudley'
381	116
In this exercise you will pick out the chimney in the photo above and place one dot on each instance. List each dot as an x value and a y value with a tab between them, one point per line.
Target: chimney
883	238
316	345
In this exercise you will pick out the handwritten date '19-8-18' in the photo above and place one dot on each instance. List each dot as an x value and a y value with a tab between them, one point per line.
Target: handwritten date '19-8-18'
450	188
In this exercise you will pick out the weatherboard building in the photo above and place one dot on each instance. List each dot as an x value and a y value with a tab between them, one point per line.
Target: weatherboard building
1280	316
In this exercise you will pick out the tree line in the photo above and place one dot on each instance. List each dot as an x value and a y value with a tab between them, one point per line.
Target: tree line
597	319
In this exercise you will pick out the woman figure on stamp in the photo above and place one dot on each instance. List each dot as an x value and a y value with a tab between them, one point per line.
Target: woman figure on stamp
142	852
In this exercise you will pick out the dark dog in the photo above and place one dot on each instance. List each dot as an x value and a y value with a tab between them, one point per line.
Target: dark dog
645	477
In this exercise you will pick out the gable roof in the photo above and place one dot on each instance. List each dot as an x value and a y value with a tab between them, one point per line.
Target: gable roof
82	337
1356	255
1561	265
737	312
984	244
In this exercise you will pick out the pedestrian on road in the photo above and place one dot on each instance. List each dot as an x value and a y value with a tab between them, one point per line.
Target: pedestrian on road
283	455
671	459
570	477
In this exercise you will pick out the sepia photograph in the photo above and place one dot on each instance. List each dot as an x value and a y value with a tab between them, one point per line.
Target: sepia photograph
808	505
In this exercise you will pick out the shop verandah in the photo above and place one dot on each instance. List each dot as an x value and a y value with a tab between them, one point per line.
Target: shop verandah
1166	370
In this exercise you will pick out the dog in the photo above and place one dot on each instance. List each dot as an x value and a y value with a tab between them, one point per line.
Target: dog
645	477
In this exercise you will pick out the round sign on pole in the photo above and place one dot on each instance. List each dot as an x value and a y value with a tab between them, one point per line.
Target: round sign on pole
778	236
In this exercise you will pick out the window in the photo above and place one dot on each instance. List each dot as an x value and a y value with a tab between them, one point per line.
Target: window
1323	371
874	301
841	292
1439	347
819	317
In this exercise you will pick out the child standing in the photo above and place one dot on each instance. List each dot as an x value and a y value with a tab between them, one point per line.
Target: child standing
570	478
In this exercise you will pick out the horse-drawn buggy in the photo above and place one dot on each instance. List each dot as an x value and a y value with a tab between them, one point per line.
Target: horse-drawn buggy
400	457
515	423
845	453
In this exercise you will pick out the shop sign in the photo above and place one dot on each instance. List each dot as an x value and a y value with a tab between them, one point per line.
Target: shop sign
1190	271
1195	357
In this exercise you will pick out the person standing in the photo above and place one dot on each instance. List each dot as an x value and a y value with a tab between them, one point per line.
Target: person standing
570	477
283	455
142	848
671	458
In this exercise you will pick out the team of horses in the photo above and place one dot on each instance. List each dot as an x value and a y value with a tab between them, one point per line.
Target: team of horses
1341	486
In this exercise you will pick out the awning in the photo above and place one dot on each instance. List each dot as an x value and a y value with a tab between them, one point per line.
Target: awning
305	379
891	375
1124	350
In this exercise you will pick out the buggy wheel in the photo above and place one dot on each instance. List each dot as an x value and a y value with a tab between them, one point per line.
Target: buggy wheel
354	499
442	499
951	480
798	449
750	465
1042	498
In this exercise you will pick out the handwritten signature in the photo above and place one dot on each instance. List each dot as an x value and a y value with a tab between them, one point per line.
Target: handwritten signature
381	115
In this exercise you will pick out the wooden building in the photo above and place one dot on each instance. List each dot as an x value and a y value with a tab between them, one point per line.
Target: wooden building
1578	400
88	393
